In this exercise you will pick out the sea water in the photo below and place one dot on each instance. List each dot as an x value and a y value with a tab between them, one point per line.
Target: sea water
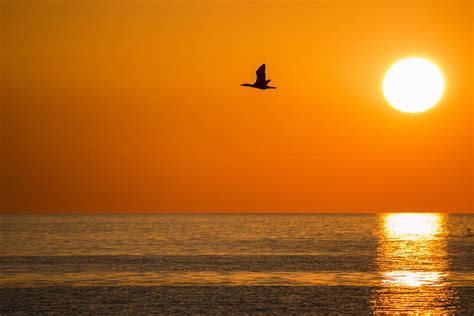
237	263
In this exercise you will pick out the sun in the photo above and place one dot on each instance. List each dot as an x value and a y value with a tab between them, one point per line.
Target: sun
413	85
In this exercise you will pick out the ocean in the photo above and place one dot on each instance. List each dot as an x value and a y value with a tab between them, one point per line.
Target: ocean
362	264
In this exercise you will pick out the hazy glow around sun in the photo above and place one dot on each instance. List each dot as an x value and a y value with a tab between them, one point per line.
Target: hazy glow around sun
413	85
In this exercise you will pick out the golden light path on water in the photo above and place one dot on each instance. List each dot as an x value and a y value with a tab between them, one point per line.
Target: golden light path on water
412	260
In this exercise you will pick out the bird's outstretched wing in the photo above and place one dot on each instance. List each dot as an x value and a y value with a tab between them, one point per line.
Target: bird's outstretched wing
261	75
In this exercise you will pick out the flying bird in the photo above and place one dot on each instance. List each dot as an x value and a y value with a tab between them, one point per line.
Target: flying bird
261	82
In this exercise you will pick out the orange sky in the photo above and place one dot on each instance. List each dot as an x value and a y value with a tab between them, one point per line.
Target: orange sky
130	106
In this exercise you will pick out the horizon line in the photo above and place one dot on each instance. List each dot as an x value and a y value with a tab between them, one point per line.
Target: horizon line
229	213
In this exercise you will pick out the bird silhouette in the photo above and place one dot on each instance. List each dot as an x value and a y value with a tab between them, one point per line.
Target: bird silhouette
261	82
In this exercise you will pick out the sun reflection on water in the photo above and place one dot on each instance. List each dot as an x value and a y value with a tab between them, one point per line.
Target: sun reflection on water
413	226
413	264
407	278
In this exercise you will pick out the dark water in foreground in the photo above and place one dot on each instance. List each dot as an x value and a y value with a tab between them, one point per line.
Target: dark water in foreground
129	264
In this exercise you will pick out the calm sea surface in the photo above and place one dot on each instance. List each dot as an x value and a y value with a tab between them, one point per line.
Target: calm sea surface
234	264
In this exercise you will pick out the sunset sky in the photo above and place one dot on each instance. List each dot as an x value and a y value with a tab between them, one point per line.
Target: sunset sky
134	106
